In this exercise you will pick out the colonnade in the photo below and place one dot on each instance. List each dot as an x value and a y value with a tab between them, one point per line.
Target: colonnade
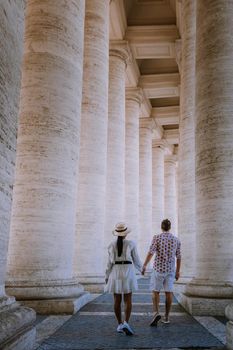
86	157
83	160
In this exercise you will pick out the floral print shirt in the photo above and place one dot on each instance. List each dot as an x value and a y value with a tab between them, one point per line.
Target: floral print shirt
167	249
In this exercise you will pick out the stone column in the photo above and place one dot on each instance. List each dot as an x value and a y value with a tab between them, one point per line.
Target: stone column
42	236
170	194
15	321
186	155
212	288
133	102
115	192
229	329
145	185
158	149
93	146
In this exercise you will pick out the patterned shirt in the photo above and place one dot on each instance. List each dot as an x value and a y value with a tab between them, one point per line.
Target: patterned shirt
167	249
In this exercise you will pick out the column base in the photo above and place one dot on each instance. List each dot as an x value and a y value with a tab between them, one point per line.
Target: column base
65	306
37	290
180	285
229	327
93	284
50	297
206	298
17	331
200	306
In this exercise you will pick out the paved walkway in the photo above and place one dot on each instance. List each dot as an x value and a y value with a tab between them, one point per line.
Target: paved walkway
94	327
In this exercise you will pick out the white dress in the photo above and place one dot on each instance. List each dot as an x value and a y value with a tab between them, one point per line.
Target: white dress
122	278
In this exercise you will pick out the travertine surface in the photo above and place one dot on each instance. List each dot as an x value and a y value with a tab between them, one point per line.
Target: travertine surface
214	150
158	149
11	50
145	185
229	328
170	191
93	143
186	155
115	189
133	101
42	234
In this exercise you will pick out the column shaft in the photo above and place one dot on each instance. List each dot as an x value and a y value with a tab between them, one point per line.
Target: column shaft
93	146
186	155
157	185
133	100
214	156
42	236
170	192
11	38
115	192
145	185
16	321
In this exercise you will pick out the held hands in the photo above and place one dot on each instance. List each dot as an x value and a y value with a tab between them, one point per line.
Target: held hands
106	280
177	275
143	270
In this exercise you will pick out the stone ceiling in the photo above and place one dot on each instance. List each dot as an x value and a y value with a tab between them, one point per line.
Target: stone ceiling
152	29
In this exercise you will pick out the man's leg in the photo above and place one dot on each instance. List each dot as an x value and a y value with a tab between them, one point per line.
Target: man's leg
168	305
128	305
157	317
117	307
155	300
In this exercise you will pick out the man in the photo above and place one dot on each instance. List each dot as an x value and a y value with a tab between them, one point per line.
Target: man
166	268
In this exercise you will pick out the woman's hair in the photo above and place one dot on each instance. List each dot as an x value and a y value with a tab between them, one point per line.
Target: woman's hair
119	245
166	225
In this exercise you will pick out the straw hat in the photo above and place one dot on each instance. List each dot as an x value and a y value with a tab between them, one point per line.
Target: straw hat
121	229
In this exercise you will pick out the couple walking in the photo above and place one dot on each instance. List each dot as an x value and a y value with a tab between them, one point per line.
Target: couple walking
120	275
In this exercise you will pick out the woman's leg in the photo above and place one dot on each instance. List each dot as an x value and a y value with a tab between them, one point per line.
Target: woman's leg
117	307
128	305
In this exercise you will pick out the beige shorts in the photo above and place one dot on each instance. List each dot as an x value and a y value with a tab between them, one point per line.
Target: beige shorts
162	281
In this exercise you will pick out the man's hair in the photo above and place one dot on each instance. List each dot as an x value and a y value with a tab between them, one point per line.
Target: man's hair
166	225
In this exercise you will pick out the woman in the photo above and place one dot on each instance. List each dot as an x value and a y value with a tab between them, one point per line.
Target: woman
120	274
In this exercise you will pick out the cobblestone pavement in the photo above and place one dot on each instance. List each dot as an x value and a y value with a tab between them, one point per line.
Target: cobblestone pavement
94	327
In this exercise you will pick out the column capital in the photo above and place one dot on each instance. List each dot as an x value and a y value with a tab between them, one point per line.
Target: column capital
121	49
159	144
171	158
146	123
134	94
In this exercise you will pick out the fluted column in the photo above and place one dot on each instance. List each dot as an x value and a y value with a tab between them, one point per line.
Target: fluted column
145	185
133	102
170	191
212	286
42	233
93	146
16	321
158	149
186	155
115	191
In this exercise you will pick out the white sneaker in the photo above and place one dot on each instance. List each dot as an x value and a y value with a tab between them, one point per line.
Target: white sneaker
127	329
120	328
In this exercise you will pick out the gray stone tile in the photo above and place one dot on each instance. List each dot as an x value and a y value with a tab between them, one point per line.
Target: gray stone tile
88	332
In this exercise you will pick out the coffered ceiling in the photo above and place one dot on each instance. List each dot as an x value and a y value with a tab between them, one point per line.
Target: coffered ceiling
152	28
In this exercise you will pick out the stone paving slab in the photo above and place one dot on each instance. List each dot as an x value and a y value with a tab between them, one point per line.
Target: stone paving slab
136	308
96	332
137	298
